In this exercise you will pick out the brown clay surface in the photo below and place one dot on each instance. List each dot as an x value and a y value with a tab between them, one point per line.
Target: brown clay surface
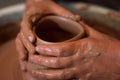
9	65
8	31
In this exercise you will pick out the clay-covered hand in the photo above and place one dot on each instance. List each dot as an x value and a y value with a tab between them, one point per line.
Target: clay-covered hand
96	57
35	9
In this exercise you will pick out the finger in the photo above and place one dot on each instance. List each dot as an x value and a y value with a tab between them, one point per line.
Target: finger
28	45
53	8
22	65
51	62
58	74
21	49
26	28
56	9
29	3
60	11
22	53
65	13
59	50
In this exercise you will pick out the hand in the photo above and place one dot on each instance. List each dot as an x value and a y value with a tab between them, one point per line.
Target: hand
96	57
36	9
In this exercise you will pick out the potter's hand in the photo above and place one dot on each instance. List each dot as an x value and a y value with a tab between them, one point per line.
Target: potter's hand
96	57
35	9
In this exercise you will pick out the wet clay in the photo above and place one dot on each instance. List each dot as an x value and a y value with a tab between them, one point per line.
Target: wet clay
11	28
9	64
9	57
56	29
89	58
7	50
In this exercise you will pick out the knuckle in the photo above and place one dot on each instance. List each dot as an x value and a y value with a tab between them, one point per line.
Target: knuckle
57	51
56	63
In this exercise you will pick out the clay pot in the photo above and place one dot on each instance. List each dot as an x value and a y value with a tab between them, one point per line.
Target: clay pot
56	30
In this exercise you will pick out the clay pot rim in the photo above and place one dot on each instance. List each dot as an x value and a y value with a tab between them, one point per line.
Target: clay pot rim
78	36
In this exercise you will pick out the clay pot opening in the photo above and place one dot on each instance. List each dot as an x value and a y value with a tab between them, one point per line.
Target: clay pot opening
57	29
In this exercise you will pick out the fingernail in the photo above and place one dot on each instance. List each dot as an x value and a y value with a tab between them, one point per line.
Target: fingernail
30	38
31	58
78	17
22	57
37	49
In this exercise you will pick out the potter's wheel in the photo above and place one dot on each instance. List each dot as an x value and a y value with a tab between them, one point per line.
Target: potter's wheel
9	66
102	19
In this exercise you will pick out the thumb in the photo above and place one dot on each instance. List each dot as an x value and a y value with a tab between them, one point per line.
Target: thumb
60	11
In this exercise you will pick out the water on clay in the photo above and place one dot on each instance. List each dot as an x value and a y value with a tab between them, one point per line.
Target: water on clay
9	65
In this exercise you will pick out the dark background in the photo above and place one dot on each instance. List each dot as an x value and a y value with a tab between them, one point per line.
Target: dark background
114	4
